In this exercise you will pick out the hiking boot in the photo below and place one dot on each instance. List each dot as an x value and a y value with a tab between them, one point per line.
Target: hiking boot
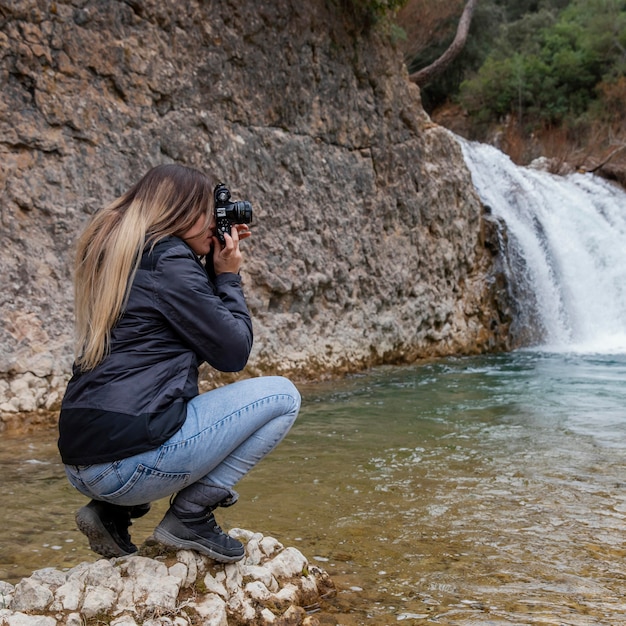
201	534
106	526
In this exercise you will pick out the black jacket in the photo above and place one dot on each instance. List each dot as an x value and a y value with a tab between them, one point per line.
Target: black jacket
176	318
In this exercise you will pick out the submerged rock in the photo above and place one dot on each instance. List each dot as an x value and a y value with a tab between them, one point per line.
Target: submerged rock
270	585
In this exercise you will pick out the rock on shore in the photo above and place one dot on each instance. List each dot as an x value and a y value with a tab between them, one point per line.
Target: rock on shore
272	584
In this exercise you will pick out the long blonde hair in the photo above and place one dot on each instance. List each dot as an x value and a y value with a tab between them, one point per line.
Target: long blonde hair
168	200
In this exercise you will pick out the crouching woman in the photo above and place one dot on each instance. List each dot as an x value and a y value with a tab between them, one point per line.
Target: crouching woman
133	427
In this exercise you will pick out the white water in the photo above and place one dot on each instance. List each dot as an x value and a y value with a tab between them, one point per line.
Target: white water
570	232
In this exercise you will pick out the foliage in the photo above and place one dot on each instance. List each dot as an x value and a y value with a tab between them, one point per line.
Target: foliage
551	67
531	45
517	9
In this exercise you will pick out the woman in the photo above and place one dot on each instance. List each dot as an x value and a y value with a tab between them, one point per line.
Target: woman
133	427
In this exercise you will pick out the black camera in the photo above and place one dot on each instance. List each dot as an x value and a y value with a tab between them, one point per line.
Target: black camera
228	213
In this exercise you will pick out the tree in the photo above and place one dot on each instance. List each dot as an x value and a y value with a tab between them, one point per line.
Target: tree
549	66
424	76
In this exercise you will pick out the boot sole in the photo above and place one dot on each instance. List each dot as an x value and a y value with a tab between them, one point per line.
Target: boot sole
167	539
100	541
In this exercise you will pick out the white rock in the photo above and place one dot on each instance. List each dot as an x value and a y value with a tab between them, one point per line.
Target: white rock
288	563
241	605
541	163
52	399
268	616
270	546
254	555
4	392
202	563
68	597
79	572
21	619
98	600
215	586
261	574
143	566
179	571
126	598
189	559
213	610
49	576
31	596
102	573
153	586
6	593
234	577
289	593
157	593
257	591
74	619
242	534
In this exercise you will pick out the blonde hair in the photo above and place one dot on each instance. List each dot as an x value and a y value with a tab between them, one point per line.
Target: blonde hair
168	200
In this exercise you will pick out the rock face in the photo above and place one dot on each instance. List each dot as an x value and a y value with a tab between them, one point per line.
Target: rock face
369	243
271	585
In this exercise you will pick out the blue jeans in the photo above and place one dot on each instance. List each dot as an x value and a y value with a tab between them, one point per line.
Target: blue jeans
227	432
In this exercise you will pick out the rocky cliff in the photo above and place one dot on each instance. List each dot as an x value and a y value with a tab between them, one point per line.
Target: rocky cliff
369	242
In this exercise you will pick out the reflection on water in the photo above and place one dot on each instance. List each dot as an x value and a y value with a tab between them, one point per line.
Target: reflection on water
465	491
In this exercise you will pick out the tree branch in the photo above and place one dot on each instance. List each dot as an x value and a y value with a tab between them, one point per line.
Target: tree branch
427	74
607	159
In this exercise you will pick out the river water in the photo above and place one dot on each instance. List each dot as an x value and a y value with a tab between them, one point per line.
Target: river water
462	491
478	490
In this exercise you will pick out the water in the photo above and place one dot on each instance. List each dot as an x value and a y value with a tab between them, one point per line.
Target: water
462	491
481	490
567	245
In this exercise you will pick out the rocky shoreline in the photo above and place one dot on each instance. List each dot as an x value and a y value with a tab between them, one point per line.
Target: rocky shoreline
272	584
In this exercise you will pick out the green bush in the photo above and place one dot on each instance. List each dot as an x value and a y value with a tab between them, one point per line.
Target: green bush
546	68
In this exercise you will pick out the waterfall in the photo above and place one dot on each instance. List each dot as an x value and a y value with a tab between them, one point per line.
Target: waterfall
566	242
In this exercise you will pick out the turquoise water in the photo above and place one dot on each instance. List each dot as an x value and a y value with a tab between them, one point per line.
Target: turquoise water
482	490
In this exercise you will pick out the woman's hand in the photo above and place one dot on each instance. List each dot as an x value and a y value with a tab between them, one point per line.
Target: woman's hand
228	258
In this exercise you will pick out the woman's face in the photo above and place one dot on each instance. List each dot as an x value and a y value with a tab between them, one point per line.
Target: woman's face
200	236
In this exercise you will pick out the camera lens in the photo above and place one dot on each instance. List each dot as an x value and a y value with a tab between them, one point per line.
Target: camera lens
242	212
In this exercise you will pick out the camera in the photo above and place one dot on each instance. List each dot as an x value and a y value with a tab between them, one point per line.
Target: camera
228	213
